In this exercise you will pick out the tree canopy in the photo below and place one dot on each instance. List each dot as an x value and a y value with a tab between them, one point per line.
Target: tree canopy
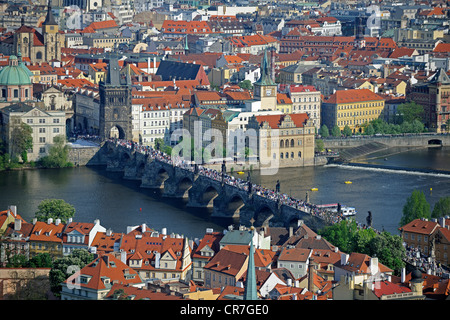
55	209
416	207
441	208
66	266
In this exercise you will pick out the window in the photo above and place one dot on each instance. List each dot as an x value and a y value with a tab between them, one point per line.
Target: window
42	139
41	130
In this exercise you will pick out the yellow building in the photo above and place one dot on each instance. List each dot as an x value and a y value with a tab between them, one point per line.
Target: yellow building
46	237
284	103
97	72
352	108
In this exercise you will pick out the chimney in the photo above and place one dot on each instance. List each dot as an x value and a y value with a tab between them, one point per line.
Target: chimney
49	220
97	221
373	266
123	257
106	259
34	220
311	275
13	210
108	233
57	222
344	258
144	228
291	231
442	222
17	224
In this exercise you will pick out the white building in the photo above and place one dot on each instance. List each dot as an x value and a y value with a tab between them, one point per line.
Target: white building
306	99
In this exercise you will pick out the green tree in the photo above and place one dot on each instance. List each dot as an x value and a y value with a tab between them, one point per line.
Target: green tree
369	130
17	261
21	140
336	132
347	131
320	145
55	209
410	111
324	132
246	84
58	154
389	249
416	207
41	260
441	208
66	266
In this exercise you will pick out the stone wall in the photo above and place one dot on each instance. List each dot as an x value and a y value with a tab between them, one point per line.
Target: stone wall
83	156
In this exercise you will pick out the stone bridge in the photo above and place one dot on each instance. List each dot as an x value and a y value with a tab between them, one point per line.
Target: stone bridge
406	140
226	200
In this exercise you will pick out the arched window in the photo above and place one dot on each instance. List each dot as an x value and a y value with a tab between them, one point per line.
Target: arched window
292	142
281	155
292	155
38	55
282	144
287	143
299	154
287	155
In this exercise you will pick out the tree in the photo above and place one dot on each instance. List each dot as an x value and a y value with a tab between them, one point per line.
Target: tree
55	209
410	111
441	208
389	250
21	141
58	154
64	267
416	207
347	131
41	260
320	146
246	84
324	132
336	132
369	130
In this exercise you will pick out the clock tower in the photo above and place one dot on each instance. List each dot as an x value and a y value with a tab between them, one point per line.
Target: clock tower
265	89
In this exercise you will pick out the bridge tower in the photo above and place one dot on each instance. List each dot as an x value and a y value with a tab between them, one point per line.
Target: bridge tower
115	103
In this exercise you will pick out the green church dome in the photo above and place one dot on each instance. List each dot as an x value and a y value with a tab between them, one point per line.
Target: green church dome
14	73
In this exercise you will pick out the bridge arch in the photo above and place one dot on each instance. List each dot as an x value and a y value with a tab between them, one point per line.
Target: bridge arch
435	142
209	194
183	186
162	176
263	215
235	204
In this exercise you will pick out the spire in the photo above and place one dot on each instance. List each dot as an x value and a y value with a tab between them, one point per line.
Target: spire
186	46
50	19
265	78
250	292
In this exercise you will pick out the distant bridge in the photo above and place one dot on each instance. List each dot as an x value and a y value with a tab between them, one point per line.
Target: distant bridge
398	140
206	188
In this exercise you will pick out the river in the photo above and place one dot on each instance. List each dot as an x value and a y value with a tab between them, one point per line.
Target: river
98	194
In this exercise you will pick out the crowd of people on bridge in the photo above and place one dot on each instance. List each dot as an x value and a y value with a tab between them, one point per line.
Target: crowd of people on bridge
329	216
281	198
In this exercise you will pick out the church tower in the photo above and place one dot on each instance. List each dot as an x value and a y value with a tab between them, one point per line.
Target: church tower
115	103
50	32
250	291
265	89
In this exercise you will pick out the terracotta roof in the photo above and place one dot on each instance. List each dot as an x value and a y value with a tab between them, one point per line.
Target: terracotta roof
212	241
401	52
283	98
275	121
43	231
107	267
442	47
186	27
228	262
135	293
383	288
263	257
105	242
420	226
353	96
103	25
360	263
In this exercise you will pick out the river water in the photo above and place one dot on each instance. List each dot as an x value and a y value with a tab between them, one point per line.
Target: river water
118	203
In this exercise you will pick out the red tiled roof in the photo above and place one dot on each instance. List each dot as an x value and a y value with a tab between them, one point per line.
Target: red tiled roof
353	96
383	288
274	121
420	226
42	231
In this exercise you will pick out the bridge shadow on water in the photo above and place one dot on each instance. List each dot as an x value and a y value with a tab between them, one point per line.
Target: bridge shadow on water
156	194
